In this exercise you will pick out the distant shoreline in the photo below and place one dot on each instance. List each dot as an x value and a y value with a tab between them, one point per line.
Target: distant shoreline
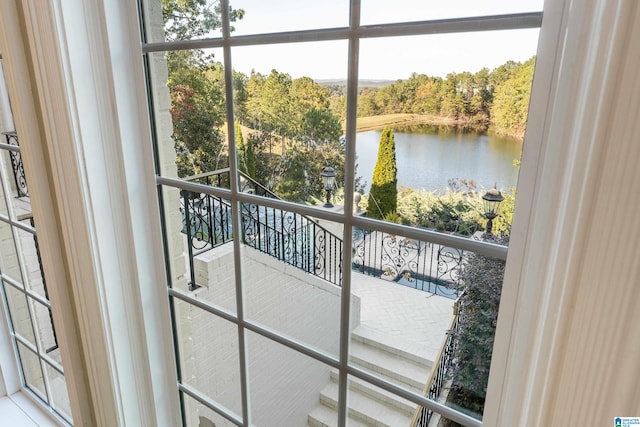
365	124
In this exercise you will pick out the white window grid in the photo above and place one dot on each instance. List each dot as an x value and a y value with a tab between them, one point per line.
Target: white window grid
353	34
22	345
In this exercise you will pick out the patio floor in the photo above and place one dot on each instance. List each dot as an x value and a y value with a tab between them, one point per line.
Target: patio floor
400	317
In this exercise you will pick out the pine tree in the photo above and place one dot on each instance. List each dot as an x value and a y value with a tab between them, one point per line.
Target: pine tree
383	196
241	148
250	159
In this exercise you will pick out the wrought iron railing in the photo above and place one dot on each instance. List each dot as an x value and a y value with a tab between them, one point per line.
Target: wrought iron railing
295	239
16	164
422	265
29	217
221	178
290	237
439	373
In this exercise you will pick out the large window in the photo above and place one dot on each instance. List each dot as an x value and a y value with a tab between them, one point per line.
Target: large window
263	335
286	312
23	287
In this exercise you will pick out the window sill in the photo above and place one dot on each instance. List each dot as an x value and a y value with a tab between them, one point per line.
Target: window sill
19	410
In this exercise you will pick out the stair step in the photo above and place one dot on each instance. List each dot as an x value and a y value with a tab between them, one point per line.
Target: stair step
365	409
383	341
375	393
323	416
399	371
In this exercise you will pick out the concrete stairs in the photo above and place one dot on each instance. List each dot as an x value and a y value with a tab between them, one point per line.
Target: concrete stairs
367	404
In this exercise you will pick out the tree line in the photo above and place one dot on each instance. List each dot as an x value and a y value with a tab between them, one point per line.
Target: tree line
497	98
293	126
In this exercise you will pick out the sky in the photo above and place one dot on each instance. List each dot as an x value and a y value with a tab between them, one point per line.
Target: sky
388	58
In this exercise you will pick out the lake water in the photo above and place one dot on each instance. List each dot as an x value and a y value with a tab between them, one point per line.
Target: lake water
427	157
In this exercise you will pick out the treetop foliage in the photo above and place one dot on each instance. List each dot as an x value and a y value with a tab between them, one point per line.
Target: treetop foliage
292	128
190	19
485	98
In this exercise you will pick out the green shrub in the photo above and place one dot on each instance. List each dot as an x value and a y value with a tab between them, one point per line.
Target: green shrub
482	280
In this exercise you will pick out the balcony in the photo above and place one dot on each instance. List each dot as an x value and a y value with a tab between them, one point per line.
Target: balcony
403	305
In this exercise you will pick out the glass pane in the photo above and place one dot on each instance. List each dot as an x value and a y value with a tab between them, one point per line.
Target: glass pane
447	133
208	350
183	20
10	266
292	275
46	332
199	415
32	371
371	405
284	385
427	314
16	181
190	112
177	20
399	329
59	393
177	256
475	330
32	261
380	11
19	312
6	160
204	262
290	116
289	15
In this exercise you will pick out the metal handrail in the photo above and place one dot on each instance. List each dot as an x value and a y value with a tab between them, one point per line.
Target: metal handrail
293	238
433	387
12	146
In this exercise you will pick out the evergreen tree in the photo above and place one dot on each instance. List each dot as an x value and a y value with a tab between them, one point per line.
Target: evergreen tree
383	196
241	148
245	152
250	159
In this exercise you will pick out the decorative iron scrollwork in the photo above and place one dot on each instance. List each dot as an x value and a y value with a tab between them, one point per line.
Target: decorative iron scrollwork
290	237
17	166
421	265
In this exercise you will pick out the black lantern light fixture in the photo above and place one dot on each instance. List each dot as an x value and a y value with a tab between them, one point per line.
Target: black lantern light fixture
329	180
491	201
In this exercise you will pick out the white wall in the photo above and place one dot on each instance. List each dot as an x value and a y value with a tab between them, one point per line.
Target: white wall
284	385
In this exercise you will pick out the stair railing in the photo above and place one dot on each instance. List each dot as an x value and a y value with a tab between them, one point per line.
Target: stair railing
293	238
16	164
439	373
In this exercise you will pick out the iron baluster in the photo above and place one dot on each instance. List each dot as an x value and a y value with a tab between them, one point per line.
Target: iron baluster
17	165
293	238
44	286
187	208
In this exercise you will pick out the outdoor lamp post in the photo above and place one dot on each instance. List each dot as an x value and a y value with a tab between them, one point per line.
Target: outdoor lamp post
329	180
491	201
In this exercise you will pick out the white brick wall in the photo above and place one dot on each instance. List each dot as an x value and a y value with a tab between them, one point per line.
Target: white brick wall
284	385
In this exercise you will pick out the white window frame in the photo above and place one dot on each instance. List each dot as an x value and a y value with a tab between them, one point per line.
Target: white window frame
111	334
117	337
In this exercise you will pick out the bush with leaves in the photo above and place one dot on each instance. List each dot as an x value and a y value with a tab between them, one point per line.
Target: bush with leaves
453	212
482	280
